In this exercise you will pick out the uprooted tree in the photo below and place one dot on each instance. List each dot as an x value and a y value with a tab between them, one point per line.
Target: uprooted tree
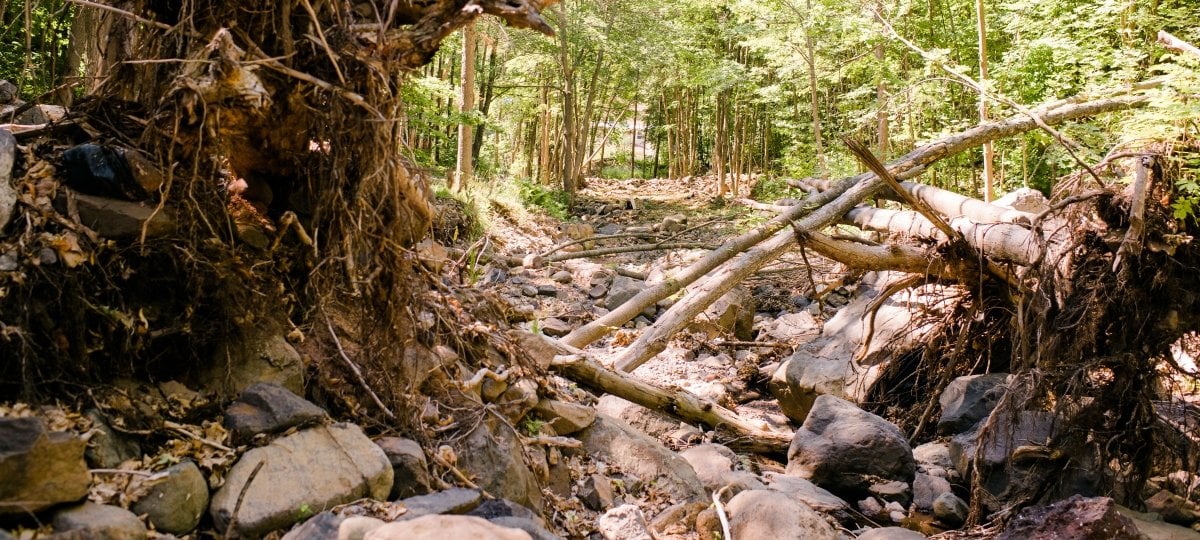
1082	299
288	111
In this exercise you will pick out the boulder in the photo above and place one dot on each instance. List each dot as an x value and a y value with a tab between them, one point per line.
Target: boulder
1074	518
927	488
330	526
438	527
652	423
106	448
1000	475
1172	508
635	453
810	494
533	528
267	408
176	503
732	313
91	521
39	468
828	365
794	328
714	463
313	469
950	509
555	327
254	357
564	417
933	454
625	522
410	471
891	533
449	501
518	399
1152	527
8	193
967	400
845	449
761	513
621	290
492	454
597	493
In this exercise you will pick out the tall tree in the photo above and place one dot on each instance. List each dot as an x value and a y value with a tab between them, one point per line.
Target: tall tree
465	165
989	191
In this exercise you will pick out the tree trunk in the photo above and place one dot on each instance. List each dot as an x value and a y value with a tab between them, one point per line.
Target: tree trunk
989	191
465	165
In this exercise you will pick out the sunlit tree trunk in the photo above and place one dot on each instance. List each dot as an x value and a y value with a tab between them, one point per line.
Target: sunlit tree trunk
989	191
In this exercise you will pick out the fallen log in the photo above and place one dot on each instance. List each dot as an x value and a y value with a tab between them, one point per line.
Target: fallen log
815	212
732	430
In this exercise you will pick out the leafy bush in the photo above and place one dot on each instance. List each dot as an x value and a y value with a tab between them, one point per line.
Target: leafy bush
552	201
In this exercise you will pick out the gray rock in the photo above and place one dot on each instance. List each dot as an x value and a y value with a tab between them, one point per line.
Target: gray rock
492	453
438	527
650	422
493	509
622	289
891	533
410	470
934	454
176	503
625	522
1074	518
547	290
535	529
562	276
828	365
254	357
967	400
1172	508
1153	528
93	521
122	220
769	514
597	291
950	509
529	290
8	193
845	449
870	507
891	491
268	408
555	327
450	501
635	453
794	327
926	489
106	448
597	492
732	313
323	526
313	469
999	477
8	92
39	468
564	417
810	494
714	463
518	399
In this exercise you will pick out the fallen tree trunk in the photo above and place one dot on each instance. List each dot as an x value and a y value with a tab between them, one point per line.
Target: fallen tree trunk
1005	241
733	430
817	211
831	205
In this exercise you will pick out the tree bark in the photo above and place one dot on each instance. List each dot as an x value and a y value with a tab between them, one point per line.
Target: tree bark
465	164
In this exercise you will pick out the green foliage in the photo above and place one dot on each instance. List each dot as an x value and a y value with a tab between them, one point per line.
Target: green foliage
553	202
41	67
770	189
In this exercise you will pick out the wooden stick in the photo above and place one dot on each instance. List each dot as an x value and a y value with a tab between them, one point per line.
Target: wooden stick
362	381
